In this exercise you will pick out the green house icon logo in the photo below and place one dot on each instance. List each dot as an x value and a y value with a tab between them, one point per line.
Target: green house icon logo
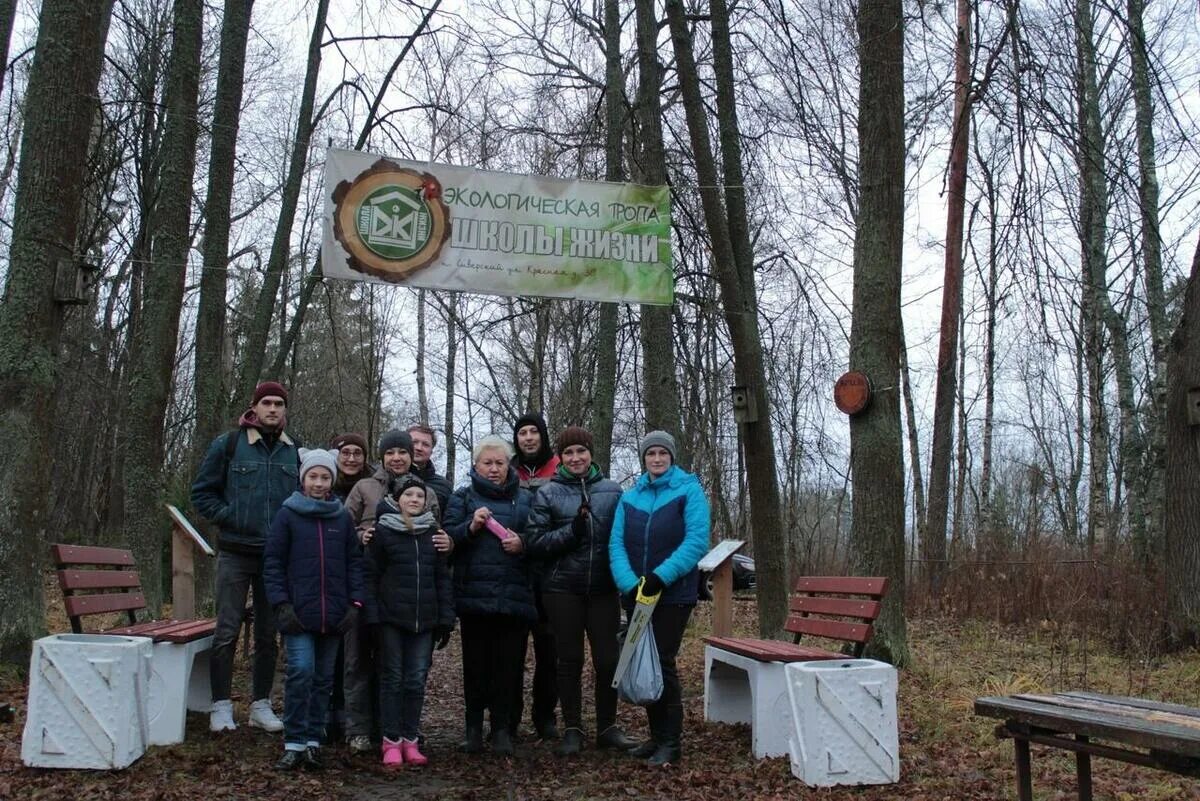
394	222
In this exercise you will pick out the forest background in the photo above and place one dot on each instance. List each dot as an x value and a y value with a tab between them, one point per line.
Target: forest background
990	207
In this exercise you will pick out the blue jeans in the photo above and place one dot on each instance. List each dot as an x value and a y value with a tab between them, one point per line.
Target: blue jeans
405	665
310	661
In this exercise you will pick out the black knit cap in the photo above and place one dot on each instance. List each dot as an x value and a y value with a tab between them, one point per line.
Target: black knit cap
574	435
545	451
395	439
398	484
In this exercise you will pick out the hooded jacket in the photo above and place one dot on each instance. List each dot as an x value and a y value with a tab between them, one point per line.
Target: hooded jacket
438	483
536	471
661	526
312	562
241	487
364	498
573	563
407	580
488	581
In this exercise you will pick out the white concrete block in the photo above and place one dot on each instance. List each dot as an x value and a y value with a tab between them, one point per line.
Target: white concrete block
738	689
87	701
845	727
178	682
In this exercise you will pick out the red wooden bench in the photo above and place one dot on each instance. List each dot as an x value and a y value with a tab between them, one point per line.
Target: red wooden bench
97	581
744	676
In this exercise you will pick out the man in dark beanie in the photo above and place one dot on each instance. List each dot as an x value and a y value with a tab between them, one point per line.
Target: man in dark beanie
243	481
535	462
535	459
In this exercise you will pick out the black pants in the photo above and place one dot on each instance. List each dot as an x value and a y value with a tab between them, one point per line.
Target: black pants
237	575
545	674
491	652
571	616
666	714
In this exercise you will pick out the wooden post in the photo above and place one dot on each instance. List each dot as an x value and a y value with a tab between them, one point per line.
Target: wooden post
184	539
719	564
183	574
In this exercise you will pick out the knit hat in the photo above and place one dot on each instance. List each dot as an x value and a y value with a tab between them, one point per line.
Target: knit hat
395	439
574	435
660	439
544	451
342	440
267	389
398	484
318	457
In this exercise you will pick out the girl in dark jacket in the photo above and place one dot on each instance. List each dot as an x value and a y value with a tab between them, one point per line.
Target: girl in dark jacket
409	596
494	599
312	574
569	526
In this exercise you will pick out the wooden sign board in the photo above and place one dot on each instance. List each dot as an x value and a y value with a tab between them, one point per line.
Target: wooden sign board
722	551
852	392
181	523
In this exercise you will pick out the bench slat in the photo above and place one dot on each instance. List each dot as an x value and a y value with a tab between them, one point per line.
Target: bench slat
98	604
70	580
174	631
833	629
91	555
771	650
844	585
843	607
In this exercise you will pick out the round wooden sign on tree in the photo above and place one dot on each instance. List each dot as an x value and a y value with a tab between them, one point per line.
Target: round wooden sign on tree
852	392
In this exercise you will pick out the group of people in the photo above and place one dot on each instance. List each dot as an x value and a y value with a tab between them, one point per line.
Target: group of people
366	571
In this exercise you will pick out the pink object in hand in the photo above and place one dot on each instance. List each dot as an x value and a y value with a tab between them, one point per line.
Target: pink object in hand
494	526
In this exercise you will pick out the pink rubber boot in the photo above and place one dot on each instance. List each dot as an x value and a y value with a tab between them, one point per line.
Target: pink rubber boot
412	754
392	754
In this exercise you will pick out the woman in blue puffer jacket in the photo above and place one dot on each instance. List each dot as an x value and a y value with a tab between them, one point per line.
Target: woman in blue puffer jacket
312	573
659	534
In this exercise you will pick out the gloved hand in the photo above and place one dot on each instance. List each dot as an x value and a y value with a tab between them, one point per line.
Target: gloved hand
286	620
651	584
580	526
349	621
441	636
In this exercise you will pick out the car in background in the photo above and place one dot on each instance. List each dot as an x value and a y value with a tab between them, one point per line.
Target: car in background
743	577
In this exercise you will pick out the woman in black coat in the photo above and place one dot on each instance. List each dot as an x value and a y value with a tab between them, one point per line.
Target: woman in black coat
493	596
569	526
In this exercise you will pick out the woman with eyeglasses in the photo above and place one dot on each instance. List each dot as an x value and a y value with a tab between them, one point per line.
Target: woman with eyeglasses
351	462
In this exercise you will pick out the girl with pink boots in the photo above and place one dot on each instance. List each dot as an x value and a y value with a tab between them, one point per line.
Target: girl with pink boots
409	598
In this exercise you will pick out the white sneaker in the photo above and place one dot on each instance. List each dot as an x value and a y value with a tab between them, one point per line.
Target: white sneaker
220	717
263	717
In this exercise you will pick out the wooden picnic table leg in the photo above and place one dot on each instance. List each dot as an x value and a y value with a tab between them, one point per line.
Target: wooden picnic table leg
1083	771
1024	775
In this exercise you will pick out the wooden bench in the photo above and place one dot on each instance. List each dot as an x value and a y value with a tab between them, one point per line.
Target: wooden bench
1147	733
744	680
98	581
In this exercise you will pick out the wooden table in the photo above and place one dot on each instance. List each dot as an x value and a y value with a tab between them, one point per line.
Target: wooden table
1147	733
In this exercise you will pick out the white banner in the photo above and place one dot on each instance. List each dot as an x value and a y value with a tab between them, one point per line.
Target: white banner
436	226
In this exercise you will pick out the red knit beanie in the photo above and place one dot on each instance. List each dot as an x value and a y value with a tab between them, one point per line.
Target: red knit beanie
574	435
267	389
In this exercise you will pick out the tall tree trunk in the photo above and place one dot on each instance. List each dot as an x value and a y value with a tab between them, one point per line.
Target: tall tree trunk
451	354
933	549
1093	204
961	475
1182	530
991	300
914	445
210	381
254	350
876	464
60	107
660	384
422	391
153	338
1154	478
604	396
740	307
8	13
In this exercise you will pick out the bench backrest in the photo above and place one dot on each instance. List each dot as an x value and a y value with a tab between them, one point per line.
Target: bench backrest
97	581
836	607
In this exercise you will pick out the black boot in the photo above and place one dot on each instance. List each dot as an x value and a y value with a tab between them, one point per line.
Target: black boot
645	750
546	729
312	759
613	737
667	754
291	760
473	743
572	742
502	744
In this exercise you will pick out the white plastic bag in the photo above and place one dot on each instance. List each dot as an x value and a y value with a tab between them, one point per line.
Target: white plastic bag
642	683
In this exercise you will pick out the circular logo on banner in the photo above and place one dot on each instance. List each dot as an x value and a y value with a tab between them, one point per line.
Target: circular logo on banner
391	220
